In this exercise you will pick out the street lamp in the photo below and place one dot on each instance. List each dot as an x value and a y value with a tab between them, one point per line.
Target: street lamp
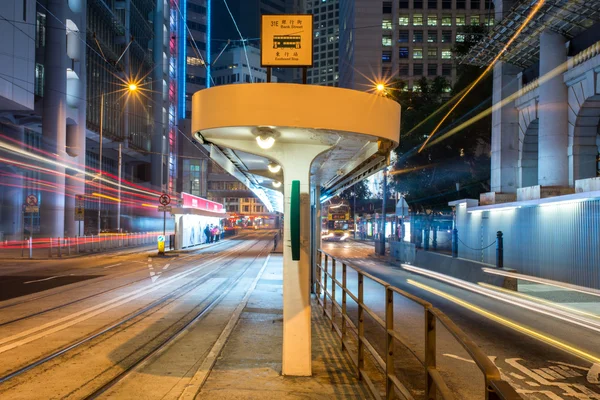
131	87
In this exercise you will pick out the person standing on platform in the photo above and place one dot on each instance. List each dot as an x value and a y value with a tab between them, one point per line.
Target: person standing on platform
207	233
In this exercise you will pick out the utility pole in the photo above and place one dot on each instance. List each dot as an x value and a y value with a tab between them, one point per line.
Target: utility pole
119	189
100	164
354	214
383	212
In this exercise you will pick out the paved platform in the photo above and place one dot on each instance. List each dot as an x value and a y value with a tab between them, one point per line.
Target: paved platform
249	366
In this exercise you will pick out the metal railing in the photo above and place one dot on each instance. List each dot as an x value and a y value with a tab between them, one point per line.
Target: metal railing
495	387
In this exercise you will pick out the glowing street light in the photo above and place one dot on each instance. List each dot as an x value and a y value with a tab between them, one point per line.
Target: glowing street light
265	142
380	87
276	184
274	168
132	87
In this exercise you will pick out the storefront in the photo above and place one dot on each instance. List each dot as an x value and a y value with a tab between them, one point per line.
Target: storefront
193	217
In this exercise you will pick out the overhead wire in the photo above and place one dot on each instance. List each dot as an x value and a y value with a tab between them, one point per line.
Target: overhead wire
241	37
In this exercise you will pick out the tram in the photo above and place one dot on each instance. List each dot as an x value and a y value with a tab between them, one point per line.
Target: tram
337	224
287	42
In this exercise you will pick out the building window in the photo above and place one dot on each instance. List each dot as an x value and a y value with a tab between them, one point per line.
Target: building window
431	69
403	52
417	54
403	20
417	4
447	69
432	4
446	36
474	19
447	4
475	4
432	20
432	36
488	4
386	40
403	36
460	37
386	24
432	53
403	70
39	80
417	19
417	69
195	61
446	54
387	7
386	56
461	4
403	4
460	20
446	20
417	36
490	21
40	30
416	87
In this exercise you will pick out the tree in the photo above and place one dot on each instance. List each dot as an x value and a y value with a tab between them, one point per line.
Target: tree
458	166
360	189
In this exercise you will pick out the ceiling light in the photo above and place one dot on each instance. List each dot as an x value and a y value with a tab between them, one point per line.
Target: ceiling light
265	142
274	168
276	184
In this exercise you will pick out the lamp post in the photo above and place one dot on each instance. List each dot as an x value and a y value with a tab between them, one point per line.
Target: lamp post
382	251
131	87
354	213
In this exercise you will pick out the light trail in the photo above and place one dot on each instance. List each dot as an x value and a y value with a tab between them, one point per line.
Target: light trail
528	305
533	12
571	349
566	286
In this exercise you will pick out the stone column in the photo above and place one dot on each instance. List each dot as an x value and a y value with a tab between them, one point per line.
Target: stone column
52	203
505	130
553	166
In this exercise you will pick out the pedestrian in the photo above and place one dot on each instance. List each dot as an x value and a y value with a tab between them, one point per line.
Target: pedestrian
207	233
217	233
212	233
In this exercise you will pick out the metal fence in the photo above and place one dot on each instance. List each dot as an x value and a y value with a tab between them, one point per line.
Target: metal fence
495	387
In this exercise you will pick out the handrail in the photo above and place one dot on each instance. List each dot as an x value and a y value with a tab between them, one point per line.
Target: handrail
495	387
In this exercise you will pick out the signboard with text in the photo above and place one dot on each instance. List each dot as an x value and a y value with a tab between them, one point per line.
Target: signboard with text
191	201
286	40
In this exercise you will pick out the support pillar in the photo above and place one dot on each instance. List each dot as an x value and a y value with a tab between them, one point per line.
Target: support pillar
505	130
160	122
52	203
553	166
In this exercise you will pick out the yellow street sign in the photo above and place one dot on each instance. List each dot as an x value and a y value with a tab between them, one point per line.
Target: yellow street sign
286	40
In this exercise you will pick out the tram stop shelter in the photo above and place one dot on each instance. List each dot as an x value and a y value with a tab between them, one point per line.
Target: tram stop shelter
310	142
192	215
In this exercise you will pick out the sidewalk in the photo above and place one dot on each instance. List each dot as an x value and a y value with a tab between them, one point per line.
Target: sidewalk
249	366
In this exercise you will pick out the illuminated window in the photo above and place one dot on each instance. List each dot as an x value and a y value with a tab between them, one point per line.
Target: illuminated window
194	61
386	40
416	87
432	53
446	20
403	20
490	21
417	54
460	20
386	56
387	24
460	38
418	19
446	54
474	19
432	20
403	52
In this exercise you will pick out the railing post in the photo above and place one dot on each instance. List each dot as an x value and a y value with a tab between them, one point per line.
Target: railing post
333	285
325	286
361	327
499	250
389	340
343	305
50	248
430	354
319	266
454	242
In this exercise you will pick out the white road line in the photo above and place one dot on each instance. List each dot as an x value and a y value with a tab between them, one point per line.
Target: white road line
46	279
199	378
166	266
114	265
459	358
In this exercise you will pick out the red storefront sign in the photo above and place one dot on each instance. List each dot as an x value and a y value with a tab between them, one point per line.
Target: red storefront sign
191	201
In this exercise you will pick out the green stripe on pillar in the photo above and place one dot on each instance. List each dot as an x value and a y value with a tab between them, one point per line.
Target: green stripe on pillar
295	220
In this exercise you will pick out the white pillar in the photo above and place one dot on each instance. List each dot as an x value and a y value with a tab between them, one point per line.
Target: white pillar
553	166
296	161
505	130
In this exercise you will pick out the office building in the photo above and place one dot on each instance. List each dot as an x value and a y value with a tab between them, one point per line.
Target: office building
407	39
326	39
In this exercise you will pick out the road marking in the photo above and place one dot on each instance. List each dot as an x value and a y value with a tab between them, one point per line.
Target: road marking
459	358
166	266
199	378
46	279
114	265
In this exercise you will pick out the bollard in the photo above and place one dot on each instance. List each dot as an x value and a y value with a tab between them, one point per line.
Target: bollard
59	246
499	250
455	243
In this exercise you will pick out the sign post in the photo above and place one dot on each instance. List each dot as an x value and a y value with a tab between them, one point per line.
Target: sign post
286	41
79	211
164	201
31	207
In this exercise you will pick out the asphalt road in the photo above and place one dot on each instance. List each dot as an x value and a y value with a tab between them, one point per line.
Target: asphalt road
537	369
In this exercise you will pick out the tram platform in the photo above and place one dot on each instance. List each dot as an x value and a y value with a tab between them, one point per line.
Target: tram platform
249	366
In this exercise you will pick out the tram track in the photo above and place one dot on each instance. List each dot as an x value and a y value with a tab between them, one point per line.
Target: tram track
95	282
144	312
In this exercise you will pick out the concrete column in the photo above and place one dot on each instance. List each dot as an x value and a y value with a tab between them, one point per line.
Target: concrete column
52	204
12	195
295	161
157	97
505	130
553	113
78	145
